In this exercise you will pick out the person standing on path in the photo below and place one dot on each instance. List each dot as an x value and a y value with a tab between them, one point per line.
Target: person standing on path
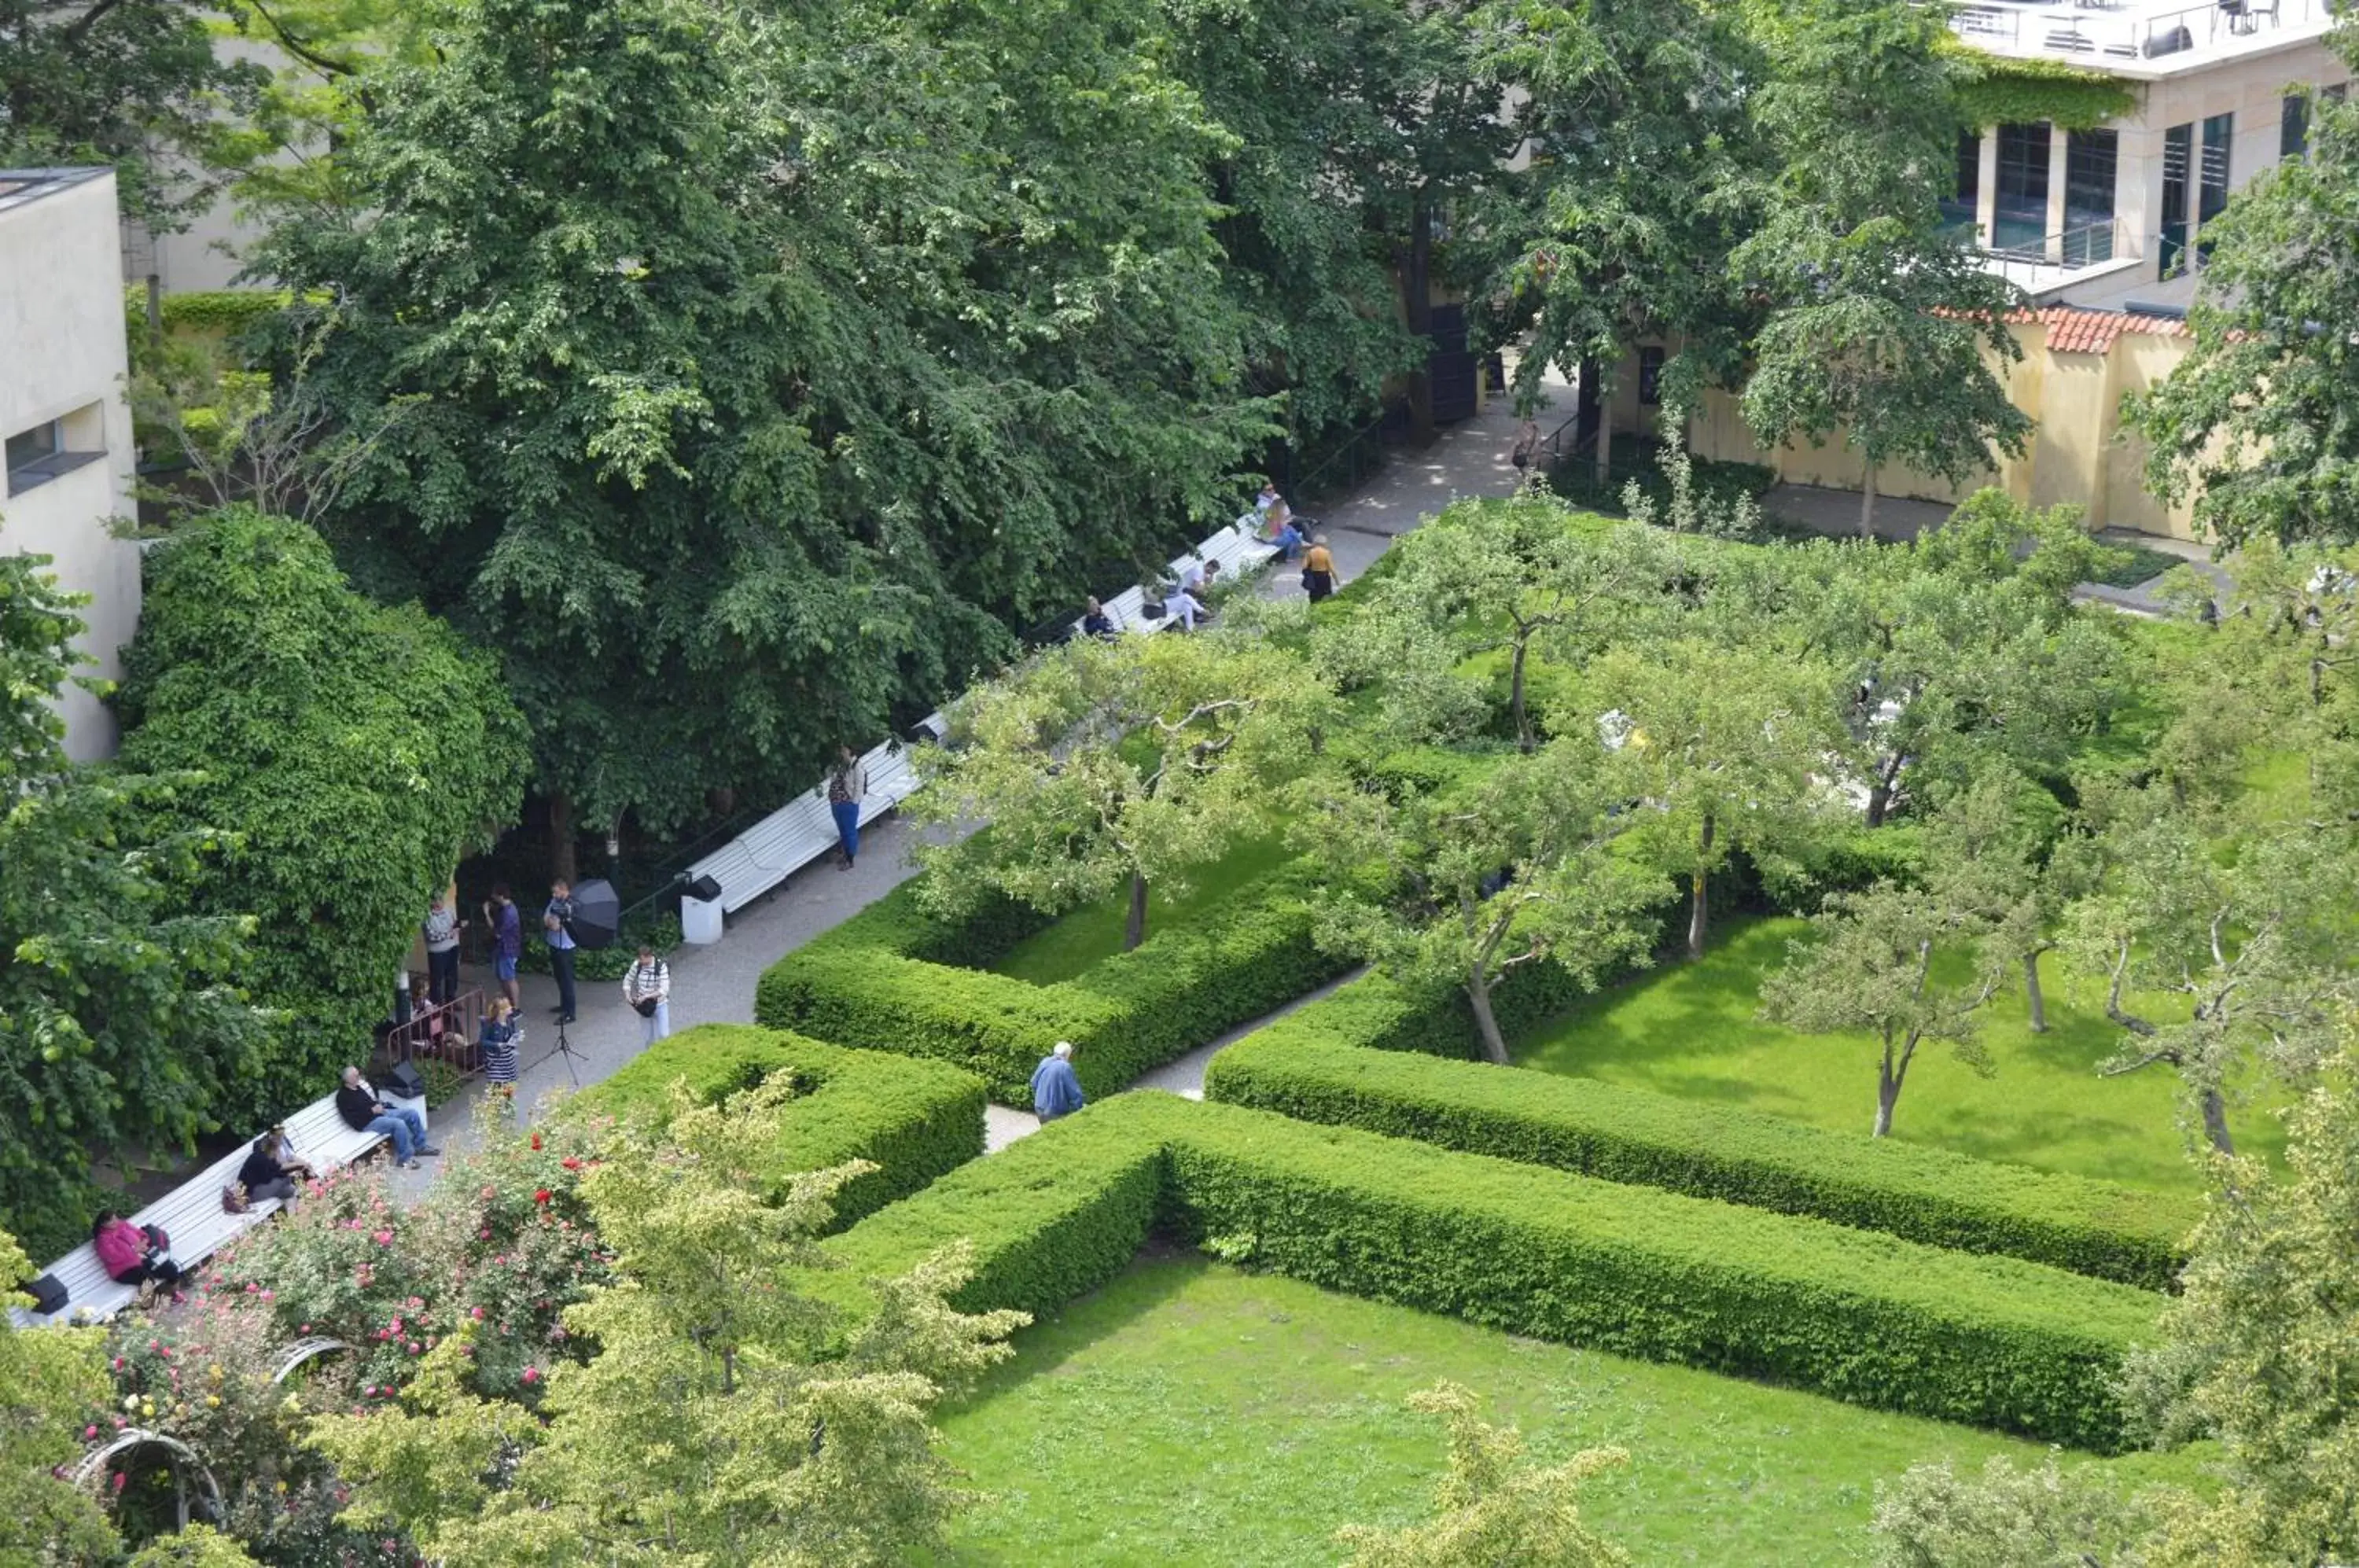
441	932
647	988
1318	570
1056	1089
556	927
507	942
845	787
502	1042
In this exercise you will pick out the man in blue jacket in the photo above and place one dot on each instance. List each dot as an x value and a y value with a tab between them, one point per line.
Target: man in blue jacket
1056	1092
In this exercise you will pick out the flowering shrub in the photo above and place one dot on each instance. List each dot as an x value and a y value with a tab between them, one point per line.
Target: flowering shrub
501	1240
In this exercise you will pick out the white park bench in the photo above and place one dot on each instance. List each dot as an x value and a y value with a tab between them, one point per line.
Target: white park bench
801	831
193	1215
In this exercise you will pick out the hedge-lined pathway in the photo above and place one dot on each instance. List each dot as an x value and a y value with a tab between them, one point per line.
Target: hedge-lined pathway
715	984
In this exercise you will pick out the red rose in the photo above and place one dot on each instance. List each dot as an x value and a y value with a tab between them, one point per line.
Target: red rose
536	1140
543	1196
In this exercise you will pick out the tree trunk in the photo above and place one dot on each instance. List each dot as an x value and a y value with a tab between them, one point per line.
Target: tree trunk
1524	741
1879	794
1134	930
1698	914
2031	993
1604	435
1887	1094
561	836
2215	1121
1478	992
1417	302
1867	504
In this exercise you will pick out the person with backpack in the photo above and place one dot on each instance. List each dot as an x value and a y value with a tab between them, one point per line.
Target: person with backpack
647	988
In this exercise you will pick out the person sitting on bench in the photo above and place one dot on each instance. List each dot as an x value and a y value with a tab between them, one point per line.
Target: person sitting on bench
130	1255
270	1168
357	1103
1185	609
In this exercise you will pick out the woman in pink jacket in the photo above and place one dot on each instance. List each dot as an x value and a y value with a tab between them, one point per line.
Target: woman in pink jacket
128	1253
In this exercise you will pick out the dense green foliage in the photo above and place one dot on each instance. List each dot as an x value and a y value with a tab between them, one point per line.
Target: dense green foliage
134	83
913	1120
887	980
1317	1065
123	1016
1987	1340
356	752
48	1378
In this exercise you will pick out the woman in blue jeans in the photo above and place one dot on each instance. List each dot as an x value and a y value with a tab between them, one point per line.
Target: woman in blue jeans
845	787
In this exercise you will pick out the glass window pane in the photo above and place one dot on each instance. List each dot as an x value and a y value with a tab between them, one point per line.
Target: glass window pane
2021	221
2293	126
2090	159
2177	148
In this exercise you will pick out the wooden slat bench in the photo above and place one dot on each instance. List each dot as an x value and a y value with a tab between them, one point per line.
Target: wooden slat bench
191	1214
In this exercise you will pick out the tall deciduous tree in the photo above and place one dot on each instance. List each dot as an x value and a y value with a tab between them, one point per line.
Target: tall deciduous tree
1881	327
1111	767
1721	752
1470	884
2255	422
134	83
1490	1506
1613	230
123	1019
728	465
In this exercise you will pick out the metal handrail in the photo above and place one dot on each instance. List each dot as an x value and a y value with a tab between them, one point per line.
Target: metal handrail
2095	27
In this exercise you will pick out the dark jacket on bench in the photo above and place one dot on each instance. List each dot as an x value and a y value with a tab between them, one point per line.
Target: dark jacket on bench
358	1107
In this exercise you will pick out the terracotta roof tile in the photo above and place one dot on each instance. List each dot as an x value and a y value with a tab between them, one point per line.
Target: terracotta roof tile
2074	331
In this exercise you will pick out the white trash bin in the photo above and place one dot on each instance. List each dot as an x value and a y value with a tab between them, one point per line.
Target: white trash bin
699	921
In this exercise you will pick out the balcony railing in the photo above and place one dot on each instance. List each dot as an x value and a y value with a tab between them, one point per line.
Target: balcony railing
2036	261
2098	32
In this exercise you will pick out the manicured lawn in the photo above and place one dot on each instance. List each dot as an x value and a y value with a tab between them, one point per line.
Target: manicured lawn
1693	1030
1092	934
1190	1413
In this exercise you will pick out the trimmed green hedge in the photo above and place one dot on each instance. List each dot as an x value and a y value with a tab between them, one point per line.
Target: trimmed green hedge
1867	1318
918	1120
890	979
1315	1065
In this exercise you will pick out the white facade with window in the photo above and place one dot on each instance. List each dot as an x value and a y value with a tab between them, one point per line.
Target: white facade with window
64	413
2114	217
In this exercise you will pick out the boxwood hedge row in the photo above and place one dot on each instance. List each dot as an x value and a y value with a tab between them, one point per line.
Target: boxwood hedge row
893	979
916	1120
1868	1318
1315	1064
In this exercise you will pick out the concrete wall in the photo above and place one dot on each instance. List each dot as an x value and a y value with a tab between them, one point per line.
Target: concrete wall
2078	453
62	355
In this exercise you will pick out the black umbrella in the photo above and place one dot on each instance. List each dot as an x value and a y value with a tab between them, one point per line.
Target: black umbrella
597	915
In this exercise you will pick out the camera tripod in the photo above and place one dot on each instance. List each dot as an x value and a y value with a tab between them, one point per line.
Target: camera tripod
565	1048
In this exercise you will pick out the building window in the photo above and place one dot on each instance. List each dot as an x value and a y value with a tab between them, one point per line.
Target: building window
2178	145
2336	93
2211	189
38	455
1964	208
2090	160
2293	126
2021	220
1650	376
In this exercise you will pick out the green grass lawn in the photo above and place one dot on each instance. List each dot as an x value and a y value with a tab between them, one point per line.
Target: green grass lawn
1693	1030
1092	934
1190	1413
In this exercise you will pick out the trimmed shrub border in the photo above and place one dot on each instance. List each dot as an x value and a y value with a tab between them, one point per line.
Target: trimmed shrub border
1867	1318
1317	1065
892	978
918	1120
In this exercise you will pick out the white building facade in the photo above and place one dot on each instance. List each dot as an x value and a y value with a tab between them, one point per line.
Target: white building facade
65	413
2114	216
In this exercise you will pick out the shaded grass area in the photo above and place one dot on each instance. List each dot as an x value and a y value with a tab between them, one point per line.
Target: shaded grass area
1694	1029
1092	934
1192	1413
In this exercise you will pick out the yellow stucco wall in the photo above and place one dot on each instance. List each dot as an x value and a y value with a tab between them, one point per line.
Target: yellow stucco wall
2077	455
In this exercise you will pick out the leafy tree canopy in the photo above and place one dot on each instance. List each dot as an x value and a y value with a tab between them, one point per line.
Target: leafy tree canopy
356	752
